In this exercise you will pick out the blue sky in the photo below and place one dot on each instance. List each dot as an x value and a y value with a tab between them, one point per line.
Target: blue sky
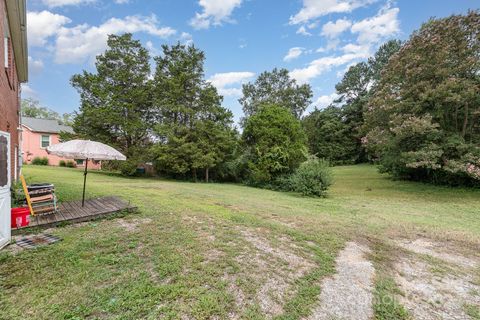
317	40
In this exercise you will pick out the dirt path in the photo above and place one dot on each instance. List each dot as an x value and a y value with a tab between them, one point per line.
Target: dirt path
444	287
348	294
438	250
277	268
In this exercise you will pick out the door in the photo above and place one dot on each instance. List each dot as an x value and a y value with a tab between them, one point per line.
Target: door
5	180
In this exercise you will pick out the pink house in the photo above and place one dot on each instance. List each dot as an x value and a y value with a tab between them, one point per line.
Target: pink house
38	134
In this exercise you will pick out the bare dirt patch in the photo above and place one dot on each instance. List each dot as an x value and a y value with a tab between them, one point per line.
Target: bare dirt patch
286	252
132	225
440	251
434	296
273	266
348	294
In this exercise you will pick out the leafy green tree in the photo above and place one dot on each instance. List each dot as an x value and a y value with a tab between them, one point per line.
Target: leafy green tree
275	144
195	131
116	101
32	108
422	121
381	58
276	87
355	83
329	137
355	90
336	134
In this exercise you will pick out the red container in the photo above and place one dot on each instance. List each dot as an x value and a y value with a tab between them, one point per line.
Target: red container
20	217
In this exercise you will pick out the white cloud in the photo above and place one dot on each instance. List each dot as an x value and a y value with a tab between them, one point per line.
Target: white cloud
83	42
34	66
61	3
331	45
27	91
357	48
313	25
326	100
42	25
293	53
122	1
374	29
370	32
225	82
321	65
230	92
152	49
214	12
186	38
313	9
333	29
303	31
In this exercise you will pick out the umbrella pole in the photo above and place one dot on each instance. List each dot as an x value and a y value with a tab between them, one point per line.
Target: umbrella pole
84	181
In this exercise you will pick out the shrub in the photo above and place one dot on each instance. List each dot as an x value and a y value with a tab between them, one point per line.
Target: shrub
129	168
312	178
70	164
422	118
40	161
275	144
17	195
62	163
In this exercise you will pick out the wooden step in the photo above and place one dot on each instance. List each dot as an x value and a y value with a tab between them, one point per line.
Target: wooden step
42	198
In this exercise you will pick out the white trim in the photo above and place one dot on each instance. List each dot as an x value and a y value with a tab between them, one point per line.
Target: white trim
6	41
5	231
6	52
15	161
17	22
49	141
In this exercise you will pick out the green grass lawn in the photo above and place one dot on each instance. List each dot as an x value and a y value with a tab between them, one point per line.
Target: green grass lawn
190	250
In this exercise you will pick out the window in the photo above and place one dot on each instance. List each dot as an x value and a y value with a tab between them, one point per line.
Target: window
45	141
79	162
3	161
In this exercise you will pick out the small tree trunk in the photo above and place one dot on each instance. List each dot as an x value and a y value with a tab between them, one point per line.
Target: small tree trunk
206	175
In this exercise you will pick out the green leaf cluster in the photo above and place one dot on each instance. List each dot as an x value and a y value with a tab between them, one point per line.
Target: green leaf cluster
423	120
274	142
195	132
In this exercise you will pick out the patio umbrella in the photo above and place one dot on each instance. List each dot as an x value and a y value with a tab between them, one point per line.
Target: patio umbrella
85	150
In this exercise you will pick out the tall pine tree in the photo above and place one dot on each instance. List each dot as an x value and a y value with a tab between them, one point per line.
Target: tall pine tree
116	106
195	131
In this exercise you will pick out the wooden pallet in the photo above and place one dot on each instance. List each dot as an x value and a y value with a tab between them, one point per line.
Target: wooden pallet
73	212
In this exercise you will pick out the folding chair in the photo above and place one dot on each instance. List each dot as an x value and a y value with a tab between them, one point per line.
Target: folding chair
40	198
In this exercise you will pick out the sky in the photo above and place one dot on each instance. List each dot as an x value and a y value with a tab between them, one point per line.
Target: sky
316	40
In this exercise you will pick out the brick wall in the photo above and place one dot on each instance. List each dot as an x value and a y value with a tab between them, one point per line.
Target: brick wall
9	95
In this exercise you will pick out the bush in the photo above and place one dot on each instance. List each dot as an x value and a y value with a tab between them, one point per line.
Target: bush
17	195
40	161
70	164
312	178
275	144
62	163
129	168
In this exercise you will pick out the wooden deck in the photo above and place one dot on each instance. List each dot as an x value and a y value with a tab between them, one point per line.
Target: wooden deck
73	212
